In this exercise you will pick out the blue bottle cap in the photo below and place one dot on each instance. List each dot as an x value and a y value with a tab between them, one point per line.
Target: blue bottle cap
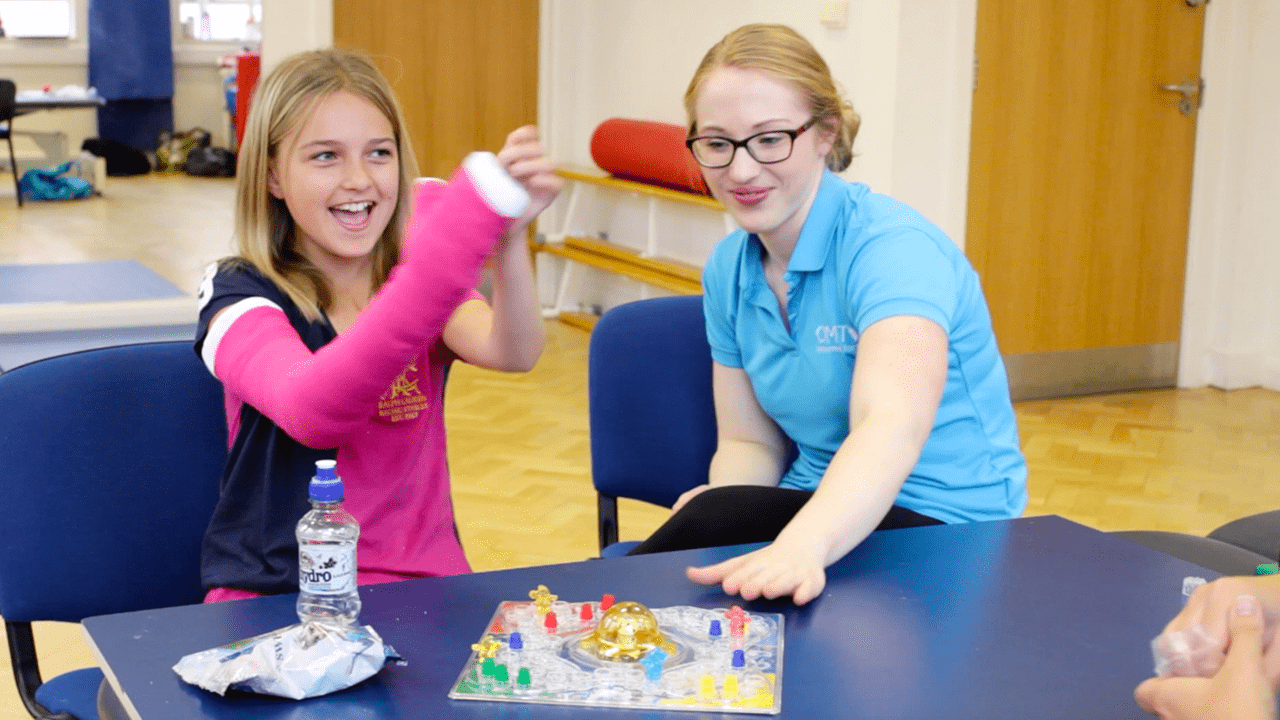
326	486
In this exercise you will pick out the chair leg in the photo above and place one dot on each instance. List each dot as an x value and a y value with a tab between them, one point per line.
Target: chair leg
26	669
13	163
607	512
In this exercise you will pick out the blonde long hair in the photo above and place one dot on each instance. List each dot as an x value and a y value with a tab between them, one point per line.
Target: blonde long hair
783	53
265	231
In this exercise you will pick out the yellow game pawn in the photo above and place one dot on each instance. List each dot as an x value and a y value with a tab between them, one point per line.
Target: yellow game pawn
707	688
542	599
486	648
730	687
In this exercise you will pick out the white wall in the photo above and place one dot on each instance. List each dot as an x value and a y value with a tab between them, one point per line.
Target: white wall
908	67
1231	313
934	102
291	26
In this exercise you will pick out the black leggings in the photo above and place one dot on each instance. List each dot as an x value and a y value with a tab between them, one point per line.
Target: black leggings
736	514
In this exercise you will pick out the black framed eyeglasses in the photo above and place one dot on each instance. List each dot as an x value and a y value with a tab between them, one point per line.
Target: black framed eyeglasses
766	148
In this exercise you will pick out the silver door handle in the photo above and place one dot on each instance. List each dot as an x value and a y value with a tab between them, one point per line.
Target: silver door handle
1188	88
1192	94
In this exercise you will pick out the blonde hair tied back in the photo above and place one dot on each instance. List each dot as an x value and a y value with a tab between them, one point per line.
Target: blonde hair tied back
264	229
783	53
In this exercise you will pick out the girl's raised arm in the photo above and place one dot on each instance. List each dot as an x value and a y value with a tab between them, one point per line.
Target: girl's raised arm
318	398
510	335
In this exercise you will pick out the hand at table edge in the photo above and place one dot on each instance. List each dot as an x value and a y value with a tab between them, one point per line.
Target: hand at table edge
1241	688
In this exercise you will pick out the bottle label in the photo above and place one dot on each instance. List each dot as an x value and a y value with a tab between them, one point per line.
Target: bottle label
327	569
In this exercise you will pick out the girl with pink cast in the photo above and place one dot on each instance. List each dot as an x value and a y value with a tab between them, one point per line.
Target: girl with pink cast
333	328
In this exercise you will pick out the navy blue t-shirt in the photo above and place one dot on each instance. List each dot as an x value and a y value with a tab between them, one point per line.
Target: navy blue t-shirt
250	542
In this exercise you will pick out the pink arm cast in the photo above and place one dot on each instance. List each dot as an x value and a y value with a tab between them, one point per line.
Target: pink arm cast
318	399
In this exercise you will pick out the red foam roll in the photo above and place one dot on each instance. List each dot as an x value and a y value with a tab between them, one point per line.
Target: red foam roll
647	151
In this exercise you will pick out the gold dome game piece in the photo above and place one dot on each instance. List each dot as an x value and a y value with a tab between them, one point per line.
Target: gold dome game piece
627	632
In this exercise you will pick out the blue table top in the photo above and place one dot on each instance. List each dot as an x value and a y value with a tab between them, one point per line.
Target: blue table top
1035	617
105	281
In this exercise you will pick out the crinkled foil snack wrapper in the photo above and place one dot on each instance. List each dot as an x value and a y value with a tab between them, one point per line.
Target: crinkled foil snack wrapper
298	661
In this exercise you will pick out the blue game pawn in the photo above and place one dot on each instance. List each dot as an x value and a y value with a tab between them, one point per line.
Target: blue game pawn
715	629
652	663
515	641
739	659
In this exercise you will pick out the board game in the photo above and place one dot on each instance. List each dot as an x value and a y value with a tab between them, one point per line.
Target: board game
622	654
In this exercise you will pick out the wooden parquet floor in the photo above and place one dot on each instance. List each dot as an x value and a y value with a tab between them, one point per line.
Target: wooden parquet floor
1186	460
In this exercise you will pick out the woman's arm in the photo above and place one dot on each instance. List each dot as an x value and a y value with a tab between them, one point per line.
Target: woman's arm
750	447
898	379
510	335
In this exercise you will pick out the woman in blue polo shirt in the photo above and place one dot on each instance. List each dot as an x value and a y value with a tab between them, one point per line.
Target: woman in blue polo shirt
857	381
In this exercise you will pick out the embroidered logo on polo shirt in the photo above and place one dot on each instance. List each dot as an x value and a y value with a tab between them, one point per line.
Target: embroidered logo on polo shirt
403	400
836	338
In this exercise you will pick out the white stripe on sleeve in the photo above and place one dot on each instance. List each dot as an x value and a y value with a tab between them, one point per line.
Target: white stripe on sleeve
222	323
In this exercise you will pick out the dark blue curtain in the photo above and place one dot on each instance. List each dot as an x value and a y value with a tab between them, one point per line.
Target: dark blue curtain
131	65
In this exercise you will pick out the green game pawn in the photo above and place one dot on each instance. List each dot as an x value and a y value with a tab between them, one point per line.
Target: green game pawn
500	673
486	667
522	677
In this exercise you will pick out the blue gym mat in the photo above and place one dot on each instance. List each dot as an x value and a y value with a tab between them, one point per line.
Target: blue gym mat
107	281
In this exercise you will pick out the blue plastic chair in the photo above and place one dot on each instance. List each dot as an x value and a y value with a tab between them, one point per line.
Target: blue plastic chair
652	418
112	459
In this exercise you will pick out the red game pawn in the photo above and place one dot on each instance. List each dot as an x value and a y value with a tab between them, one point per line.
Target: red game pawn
550	622
737	621
606	602
586	612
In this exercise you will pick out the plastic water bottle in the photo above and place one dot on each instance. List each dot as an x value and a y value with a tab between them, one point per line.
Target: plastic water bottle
327	537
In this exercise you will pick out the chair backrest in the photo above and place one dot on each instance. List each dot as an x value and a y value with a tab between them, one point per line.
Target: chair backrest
652	418
8	95
111	460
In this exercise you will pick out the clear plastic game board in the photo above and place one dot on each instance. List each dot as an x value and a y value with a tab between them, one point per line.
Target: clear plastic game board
561	653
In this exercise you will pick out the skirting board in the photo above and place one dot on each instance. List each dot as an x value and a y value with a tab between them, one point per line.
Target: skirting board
1063	373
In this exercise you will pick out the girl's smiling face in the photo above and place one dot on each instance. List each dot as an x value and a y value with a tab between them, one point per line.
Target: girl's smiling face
339	175
771	200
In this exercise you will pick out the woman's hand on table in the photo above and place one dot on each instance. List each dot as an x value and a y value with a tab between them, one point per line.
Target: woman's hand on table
794	567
